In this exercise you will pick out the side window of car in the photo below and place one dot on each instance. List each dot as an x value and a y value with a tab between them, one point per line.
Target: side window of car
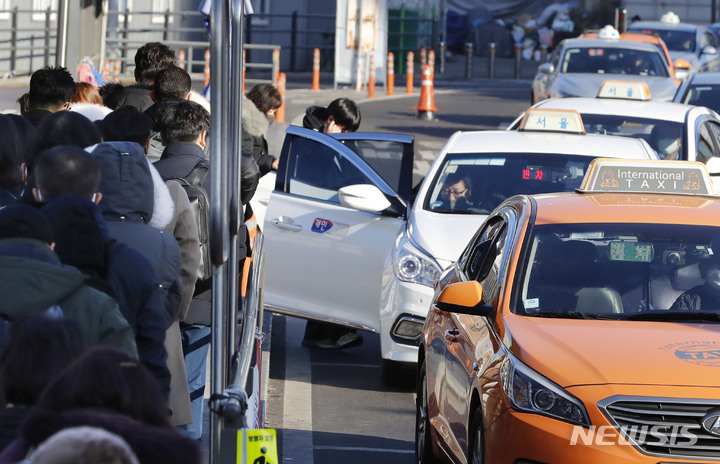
486	258
708	141
318	171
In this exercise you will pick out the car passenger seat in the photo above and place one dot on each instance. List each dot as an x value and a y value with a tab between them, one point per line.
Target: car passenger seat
667	289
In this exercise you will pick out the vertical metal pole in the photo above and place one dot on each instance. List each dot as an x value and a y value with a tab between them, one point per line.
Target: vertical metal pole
48	15
358	51
401	41
468	60
543	54
103	32
518	60
491	59
13	40
124	47
219	223
61	41
293	39
166	25
443	50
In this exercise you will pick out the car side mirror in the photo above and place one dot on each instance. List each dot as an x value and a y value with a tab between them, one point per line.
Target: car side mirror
363	197
464	298
682	64
713	167
546	68
709	50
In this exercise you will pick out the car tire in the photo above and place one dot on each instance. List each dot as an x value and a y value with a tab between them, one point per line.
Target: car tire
423	437
476	438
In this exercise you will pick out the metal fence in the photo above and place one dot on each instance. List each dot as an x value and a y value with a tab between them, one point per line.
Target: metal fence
27	40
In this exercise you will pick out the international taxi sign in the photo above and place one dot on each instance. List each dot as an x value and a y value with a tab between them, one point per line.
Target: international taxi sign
647	176
626	90
552	120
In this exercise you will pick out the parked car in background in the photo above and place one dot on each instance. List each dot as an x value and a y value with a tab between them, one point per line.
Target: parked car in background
695	43
579	66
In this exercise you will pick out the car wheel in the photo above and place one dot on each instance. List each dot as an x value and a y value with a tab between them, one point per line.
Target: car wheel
476	438
423	437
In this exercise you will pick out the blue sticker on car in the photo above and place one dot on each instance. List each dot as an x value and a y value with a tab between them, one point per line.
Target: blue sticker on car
321	225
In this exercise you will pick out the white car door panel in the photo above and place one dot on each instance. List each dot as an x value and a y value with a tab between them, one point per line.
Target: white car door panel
322	259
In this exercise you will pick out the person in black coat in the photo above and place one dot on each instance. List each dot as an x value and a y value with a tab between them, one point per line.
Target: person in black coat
68	178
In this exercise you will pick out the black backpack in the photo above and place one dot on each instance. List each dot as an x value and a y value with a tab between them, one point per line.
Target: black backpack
200	204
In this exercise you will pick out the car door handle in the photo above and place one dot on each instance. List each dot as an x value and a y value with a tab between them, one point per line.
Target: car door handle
287	225
452	335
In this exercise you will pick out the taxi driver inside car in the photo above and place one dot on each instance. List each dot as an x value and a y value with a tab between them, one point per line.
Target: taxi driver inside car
595	411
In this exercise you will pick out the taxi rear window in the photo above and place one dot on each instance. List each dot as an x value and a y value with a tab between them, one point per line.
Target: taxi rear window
612	60
654	131
618	271
475	183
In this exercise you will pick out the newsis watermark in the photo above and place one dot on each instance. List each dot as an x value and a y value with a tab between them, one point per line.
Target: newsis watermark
641	435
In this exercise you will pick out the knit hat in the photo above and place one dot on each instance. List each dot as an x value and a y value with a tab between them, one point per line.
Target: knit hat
84	445
23	221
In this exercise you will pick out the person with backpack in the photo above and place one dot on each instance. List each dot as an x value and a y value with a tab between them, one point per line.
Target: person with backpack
183	129
129	124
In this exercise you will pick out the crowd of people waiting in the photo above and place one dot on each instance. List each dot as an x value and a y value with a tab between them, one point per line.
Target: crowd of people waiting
105	315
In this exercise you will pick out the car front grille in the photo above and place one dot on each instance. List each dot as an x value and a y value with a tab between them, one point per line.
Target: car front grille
666	427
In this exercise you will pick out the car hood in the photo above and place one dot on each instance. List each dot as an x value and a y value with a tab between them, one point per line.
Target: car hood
444	236
587	85
574	352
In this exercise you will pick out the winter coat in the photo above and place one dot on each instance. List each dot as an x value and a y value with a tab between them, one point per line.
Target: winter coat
313	118
137	95
697	298
32	279
127	205
254	127
81	240
152	444
11	418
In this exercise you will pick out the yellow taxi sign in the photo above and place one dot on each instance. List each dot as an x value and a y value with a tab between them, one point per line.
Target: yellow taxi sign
552	120
626	90
647	176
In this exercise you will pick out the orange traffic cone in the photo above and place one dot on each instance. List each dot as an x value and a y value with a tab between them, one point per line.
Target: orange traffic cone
426	108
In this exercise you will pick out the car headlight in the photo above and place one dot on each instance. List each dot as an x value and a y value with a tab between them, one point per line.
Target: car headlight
412	265
531	392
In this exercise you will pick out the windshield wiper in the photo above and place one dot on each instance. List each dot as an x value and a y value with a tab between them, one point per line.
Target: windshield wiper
675	316
574	315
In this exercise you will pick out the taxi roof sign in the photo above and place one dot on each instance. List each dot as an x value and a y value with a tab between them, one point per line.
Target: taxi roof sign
626	90
647	176
552	120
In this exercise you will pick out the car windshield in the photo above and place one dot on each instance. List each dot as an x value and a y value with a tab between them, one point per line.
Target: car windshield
707	95
613	60
622	271
475	183
656	132
675	40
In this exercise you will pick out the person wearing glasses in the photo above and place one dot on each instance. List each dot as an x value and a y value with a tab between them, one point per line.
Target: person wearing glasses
456	192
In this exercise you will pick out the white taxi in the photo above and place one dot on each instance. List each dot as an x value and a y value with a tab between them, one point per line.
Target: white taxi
345	241
577	67
674	130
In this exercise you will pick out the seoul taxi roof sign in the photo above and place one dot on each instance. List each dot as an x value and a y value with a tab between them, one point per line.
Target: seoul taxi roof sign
626	90
653	176
552	120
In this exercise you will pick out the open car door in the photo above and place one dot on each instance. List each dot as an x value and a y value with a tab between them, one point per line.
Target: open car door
339	203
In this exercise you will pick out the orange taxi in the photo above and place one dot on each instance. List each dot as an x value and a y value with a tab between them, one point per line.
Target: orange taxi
581	327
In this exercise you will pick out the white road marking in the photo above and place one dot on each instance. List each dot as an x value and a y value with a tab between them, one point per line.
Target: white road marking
297	399
372	450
